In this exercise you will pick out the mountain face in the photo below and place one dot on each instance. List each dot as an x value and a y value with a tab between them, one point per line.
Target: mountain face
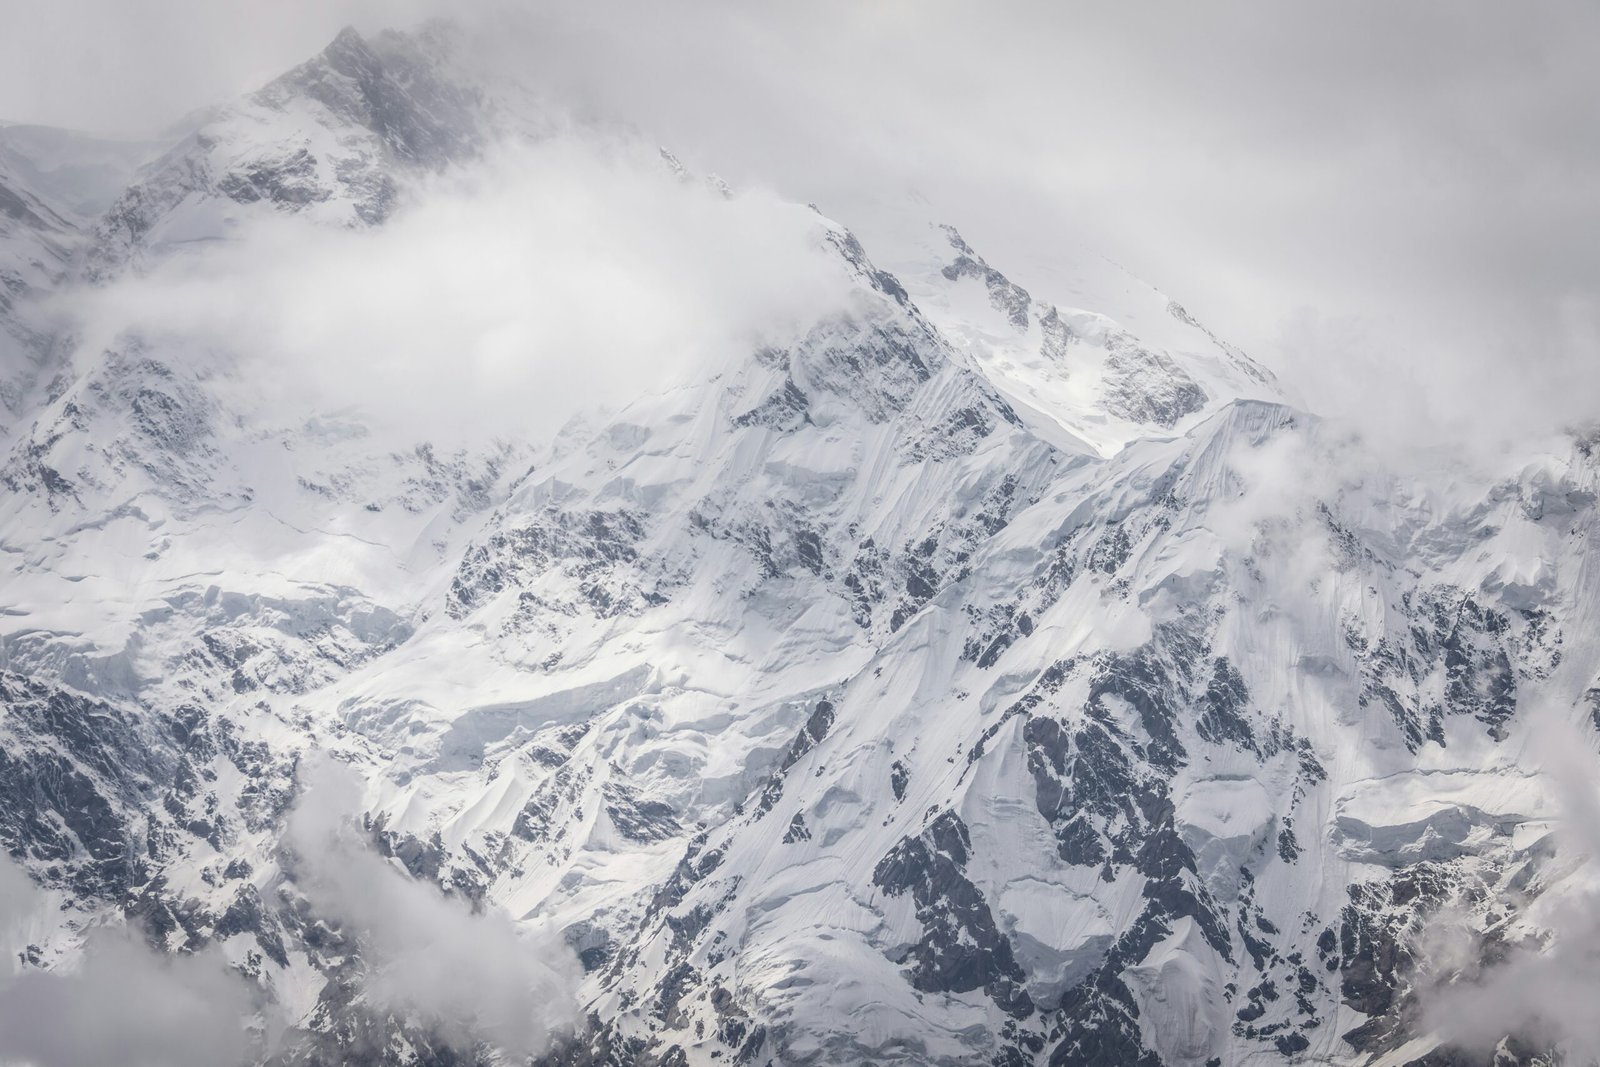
1002	672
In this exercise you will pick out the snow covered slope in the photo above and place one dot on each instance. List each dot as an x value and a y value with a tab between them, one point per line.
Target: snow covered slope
998	671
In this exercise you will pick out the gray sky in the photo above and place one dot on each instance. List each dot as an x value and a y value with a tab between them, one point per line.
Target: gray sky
1360	190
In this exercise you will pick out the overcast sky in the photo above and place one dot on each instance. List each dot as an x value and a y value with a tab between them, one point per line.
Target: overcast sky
1363	189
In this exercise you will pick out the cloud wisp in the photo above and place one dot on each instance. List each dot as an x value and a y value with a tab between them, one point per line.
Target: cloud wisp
1375	200
1378	201
1543	986
119	1001
470	976
505	297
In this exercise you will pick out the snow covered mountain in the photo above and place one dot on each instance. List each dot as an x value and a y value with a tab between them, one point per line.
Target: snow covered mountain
1000	671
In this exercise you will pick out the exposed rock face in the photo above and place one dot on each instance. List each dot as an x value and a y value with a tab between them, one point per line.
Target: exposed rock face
951	685
1007	296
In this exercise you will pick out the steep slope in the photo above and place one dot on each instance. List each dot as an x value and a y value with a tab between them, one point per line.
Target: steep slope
1128	796
1078	346
973	678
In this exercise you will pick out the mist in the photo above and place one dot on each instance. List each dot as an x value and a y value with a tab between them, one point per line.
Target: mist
1371	198
470	976
119	1000
502	298
1543	985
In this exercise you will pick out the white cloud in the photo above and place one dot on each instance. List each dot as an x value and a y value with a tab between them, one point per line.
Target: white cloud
471	976
1546	983
1423	170
120	1001
1426	170
503	298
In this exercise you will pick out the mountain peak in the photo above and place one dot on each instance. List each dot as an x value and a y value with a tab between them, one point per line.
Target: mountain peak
348	39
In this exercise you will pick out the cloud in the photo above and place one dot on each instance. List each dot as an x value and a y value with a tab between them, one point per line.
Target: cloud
1545	985
1424	171
120	1001
135	68
1421	171
18	898
471	976
503	298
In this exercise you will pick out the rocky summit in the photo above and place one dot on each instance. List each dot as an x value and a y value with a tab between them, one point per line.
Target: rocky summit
997	669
